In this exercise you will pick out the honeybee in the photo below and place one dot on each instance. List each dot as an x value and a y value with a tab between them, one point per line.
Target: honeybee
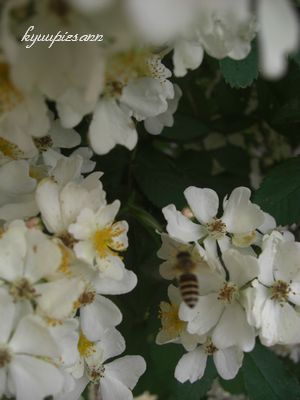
187	280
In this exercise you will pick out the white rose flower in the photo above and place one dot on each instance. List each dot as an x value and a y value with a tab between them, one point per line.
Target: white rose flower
220	308
27	351
28	258
240	218
99	239
272	300
136	85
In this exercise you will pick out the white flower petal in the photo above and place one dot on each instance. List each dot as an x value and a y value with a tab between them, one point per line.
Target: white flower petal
7	314
242	268
112	389
207	313
180	227
187	55
47	198
278	35
240	215
98	316
127	370
191	366
233	329
111	126
33	337
228	362
33	378
204	203
111	286
57	298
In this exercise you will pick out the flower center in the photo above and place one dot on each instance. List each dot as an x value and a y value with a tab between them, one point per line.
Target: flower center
280	291
170	321
228	293
86	298
104	241
43	143
5	356
10	96
85	347
22	289
216	229
129	65
210	348
96	373
9	149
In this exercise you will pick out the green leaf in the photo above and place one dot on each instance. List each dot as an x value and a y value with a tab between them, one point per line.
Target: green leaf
186	128
279	193
240	74
195	391
265	377
158	177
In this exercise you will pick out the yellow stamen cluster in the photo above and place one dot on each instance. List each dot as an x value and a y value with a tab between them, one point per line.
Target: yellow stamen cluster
85	347
216	229
170	321
104	243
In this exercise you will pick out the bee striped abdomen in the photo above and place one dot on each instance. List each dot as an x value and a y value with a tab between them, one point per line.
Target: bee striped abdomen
189	289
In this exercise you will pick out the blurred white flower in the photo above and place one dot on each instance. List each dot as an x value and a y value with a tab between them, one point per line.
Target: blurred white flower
155	125
278	35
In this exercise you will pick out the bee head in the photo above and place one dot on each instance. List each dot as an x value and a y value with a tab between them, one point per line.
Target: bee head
183	255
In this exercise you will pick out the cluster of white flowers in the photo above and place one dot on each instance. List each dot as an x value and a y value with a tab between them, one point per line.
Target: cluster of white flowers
60	253
249	282
122	79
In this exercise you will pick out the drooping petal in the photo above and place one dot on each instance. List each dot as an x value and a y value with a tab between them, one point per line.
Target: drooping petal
111	126
112	389
228	362
191	366
127	370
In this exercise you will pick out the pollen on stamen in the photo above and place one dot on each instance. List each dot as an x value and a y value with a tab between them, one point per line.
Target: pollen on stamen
228	293
210	348
9	149
280	291
216	229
